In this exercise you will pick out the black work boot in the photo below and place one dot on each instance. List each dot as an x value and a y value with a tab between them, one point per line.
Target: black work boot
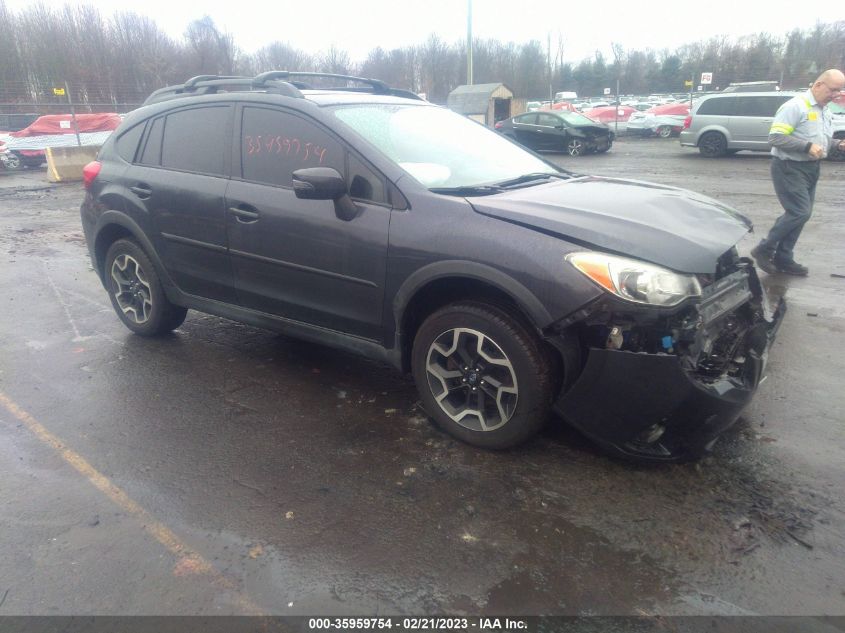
763	258
792	268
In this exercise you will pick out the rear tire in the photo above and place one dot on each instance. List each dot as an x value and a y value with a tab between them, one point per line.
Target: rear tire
136	292
713	144
482	376
664	131
13	162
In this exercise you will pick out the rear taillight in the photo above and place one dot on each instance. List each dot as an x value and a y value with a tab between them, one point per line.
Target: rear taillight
499	125
687	122
90	172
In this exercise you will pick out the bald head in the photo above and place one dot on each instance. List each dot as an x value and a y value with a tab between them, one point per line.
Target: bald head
828	86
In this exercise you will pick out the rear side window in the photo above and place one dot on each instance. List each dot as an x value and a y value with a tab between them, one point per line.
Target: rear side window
275	143
196	140
526	119
761	106
719	106
127	143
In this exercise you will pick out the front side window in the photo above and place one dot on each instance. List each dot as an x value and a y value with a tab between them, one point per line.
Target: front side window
196	140
437	147
274	144
548	120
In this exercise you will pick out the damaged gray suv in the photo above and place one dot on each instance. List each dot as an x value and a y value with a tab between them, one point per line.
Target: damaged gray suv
341	211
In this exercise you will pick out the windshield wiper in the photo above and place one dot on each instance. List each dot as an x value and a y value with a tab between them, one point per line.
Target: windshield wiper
468	190
519	180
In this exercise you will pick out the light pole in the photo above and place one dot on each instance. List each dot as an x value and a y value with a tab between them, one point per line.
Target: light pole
469	42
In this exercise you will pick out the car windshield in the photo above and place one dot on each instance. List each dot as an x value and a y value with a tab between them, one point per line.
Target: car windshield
438	147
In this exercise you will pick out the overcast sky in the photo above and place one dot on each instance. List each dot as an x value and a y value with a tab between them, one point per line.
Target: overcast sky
357	26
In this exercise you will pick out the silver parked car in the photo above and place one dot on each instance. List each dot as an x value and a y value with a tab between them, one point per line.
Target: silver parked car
726	123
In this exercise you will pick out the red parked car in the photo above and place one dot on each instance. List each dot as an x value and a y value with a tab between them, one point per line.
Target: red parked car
609	114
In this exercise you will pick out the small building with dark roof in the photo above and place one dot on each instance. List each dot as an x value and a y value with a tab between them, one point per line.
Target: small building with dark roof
485	103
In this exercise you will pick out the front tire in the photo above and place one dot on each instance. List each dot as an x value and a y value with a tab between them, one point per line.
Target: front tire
482	376
576	147
664	131
136	292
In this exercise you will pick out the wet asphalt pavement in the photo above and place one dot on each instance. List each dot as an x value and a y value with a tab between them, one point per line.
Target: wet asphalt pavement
229	470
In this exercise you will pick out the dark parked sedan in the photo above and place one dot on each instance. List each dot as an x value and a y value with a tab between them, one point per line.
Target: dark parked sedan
568	132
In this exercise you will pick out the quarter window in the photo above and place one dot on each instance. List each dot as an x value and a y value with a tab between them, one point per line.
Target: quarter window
274	144
363	183
152	148
127	143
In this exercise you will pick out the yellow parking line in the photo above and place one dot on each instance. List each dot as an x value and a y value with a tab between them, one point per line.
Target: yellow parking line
188	561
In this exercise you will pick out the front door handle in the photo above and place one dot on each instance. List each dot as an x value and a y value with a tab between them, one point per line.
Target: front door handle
245	214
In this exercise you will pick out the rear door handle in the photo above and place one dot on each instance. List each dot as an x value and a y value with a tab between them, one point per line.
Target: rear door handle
245	214
141	190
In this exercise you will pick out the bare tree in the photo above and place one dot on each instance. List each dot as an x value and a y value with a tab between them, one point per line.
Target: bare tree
123	58
281	56
335	61
212	52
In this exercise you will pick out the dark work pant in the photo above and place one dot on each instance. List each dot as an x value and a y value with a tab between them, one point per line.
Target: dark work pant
795	185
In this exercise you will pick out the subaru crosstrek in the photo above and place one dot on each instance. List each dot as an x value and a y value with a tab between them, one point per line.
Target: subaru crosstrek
363	217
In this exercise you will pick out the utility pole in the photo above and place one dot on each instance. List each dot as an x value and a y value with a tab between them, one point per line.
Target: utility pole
469	42
73	115
549	63
617	56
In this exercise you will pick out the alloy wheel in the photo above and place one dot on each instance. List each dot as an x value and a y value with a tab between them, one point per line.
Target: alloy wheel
472	379
131	290
575	147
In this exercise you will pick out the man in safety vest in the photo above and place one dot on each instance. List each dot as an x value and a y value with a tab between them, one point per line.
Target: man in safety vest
801	136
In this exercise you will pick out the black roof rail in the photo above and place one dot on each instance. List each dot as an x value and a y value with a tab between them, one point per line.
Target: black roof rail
212	84
378	86
193	81
279	81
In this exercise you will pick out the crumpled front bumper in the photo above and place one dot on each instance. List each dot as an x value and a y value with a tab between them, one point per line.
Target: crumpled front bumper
656	407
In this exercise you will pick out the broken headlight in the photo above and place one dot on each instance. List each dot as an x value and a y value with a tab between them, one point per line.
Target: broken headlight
635	280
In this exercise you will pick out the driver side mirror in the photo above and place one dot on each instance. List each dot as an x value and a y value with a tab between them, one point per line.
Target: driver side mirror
324	183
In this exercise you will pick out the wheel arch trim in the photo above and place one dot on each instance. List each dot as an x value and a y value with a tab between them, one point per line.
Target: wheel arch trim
456	269
113	218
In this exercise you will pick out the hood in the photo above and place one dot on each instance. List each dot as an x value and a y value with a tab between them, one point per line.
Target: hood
671	227
594	129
